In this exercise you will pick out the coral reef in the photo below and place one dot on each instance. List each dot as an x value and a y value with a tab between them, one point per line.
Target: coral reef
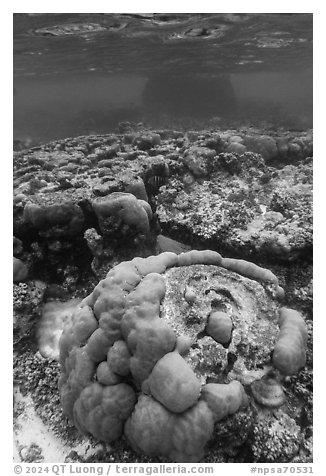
290	349
237	191
123	317
240	337
276	439
233	208
219	326
224	399
268	391
126	208
56	219
27	305
173	383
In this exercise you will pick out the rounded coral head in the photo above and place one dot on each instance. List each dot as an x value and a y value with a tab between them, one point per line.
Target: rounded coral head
136	357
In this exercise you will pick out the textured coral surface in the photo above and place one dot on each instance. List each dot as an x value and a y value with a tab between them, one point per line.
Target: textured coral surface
257	198
142	307
187	342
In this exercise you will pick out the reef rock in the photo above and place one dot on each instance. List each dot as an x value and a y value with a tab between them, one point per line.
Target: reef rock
237	190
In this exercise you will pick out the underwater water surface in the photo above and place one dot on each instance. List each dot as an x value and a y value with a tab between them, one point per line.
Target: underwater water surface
78	74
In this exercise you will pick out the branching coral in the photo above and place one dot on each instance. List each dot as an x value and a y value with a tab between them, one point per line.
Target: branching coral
125	369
